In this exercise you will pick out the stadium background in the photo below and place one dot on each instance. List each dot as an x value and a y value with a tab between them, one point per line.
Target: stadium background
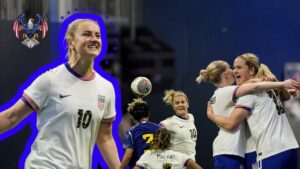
168	41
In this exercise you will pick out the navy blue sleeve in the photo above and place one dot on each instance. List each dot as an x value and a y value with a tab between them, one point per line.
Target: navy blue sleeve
128	142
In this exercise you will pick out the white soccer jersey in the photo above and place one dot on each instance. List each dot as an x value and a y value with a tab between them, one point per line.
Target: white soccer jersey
70	111
269	126
183	134
251	142
163	160
227	142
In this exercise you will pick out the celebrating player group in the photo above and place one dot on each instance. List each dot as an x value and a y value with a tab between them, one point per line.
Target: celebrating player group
254	132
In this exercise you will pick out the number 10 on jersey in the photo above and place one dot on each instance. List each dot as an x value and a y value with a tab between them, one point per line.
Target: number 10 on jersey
84	118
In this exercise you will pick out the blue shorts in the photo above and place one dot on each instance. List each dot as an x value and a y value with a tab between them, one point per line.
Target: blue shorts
283	160
250	160
228	162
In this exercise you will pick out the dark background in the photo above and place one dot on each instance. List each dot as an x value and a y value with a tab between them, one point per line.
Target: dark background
198	32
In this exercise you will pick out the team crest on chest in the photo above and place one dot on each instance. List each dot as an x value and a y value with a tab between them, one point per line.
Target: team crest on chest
101	101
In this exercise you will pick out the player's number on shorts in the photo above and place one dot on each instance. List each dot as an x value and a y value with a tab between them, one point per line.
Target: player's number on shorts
148	138
193	133
84	118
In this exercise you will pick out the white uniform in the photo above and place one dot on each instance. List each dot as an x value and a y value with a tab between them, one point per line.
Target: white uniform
251	142
183	134
267	125
232	143
167	159
70	111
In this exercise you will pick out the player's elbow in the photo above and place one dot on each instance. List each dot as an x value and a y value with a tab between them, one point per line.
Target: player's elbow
231	126
191	164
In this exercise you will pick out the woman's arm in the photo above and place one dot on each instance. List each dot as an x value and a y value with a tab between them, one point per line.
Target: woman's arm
126	158
248	88
191	164
11	117
107	145
229	123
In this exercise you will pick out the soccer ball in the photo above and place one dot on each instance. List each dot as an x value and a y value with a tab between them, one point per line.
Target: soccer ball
141	86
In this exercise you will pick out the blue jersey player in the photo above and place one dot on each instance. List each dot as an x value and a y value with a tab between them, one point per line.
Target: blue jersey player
138	138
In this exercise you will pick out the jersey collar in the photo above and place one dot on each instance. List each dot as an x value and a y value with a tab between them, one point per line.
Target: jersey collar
78	75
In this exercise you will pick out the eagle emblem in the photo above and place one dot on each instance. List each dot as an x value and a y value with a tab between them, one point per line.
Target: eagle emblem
30	29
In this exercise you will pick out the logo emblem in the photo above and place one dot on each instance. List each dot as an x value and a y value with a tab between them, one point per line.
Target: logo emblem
213	100
101	101
63	96
30	29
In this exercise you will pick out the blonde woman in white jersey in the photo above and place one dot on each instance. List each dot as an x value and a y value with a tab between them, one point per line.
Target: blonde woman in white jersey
181	125
275	143
229	146
162	157
75	107
278	95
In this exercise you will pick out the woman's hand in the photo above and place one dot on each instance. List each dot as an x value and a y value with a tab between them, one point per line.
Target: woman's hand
291	84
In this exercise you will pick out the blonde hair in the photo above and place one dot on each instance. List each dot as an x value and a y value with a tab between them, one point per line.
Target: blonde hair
213	71
265	73
251	60
170	94
72	28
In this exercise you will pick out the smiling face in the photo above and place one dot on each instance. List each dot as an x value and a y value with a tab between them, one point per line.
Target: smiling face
86	40
180	105
241	71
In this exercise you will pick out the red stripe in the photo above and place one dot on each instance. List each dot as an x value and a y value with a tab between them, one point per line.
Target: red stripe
17	33
31	102
14	27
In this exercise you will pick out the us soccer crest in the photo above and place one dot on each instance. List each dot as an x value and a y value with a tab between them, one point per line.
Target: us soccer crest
31	30
101	102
